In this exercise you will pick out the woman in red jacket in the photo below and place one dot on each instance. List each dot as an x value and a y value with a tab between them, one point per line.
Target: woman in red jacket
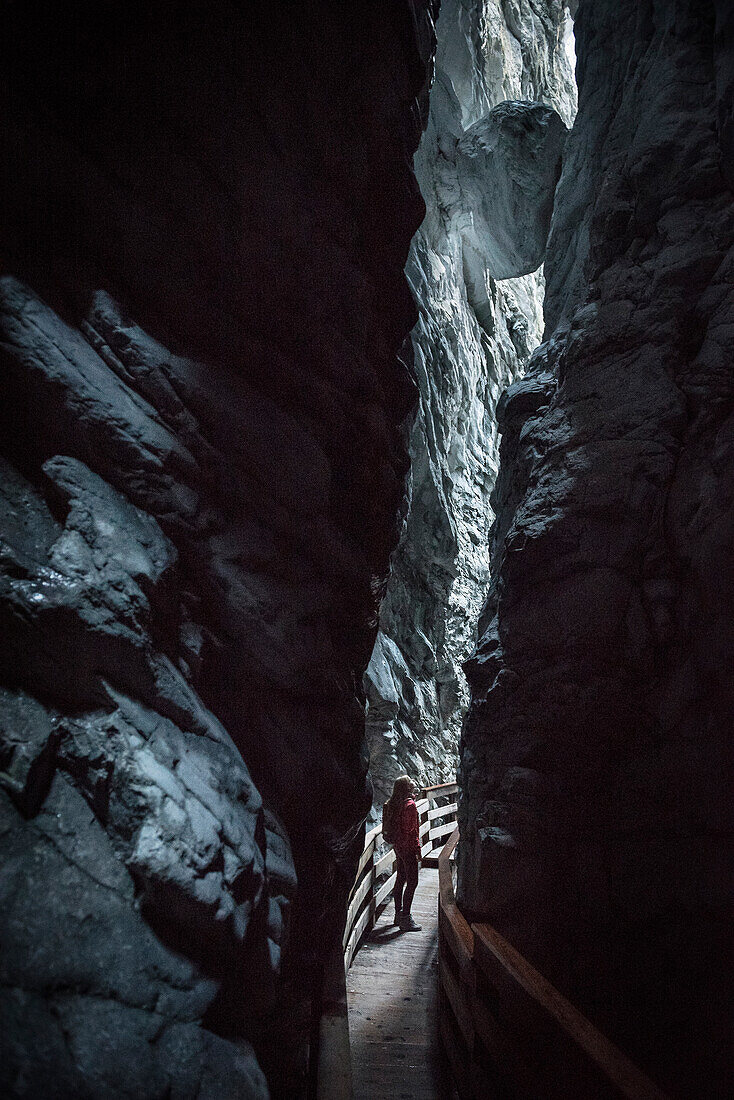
406	841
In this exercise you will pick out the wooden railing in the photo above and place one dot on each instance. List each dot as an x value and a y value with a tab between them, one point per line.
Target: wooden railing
375	878
331	1073
506	1030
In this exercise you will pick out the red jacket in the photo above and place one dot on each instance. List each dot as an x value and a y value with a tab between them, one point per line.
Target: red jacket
407	841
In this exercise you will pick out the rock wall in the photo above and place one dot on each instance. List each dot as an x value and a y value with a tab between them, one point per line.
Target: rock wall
487	169
594	815
205	220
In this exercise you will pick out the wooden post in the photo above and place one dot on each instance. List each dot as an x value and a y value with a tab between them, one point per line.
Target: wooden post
373	906
334	1074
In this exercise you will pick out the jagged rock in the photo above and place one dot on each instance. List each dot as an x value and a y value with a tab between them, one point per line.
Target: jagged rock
181	810
472	337
84	973
202	462
28	743
594	809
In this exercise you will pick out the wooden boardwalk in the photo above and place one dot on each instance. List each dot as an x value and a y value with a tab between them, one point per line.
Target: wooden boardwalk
392	993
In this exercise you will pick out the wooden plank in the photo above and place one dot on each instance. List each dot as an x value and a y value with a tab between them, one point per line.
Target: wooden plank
356	902
386	1028
375	1044
512	975
441	811
460	945
385	863
458	1057
458	999
427	847
349	952
506	1054
486	1082
361	924
422	805
424	829
374	1034
441	788
448	851
442	830
373	834
359	928
385	979
408	1082
363	860
385	889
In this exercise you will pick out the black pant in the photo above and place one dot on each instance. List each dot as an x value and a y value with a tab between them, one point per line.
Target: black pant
407	876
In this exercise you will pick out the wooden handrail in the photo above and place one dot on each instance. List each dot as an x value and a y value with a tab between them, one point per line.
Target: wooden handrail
442	811
453	926
440	788
493	953
506	1029
368	895
366	899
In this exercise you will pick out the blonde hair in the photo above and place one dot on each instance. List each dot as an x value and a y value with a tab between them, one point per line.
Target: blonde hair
402	789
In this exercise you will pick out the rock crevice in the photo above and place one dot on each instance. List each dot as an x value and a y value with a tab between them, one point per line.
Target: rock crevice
487	167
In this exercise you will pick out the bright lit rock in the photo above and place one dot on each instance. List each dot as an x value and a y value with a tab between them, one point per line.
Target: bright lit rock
474	335
508	165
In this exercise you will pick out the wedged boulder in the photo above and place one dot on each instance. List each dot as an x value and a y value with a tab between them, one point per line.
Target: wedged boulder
508	165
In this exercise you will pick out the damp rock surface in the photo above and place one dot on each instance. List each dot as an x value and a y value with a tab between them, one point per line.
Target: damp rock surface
594	817
201	467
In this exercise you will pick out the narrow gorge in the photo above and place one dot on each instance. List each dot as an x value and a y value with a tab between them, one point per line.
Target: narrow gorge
367	407
487	166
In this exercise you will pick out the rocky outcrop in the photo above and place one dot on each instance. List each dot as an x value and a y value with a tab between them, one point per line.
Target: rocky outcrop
487	166
140	872
594	815
508	164
201	466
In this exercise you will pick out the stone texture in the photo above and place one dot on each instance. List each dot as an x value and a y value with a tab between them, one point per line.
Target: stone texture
201	467
487	169
508	164
105	1005
595	816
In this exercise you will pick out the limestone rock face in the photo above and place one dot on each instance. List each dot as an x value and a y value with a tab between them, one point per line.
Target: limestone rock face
508	166
201	466
487	169
594	815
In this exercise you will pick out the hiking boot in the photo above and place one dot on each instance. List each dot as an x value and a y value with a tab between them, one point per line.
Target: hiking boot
398	916
407	924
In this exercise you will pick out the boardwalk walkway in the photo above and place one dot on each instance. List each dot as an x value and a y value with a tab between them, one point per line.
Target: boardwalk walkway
392	991
506	1030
